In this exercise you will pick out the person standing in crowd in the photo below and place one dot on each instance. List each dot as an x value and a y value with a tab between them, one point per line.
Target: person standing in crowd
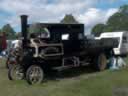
3	43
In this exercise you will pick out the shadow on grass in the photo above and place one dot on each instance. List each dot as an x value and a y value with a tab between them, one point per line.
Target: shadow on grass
69	73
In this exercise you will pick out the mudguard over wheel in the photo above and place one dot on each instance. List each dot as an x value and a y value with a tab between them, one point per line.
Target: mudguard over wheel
34	74
101	62
15	72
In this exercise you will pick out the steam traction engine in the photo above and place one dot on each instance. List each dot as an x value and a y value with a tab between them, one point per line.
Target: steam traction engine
58	47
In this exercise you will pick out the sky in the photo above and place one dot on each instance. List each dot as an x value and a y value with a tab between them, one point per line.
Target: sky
88	12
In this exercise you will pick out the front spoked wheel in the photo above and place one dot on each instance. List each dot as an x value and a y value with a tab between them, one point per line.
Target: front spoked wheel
15	72
34	74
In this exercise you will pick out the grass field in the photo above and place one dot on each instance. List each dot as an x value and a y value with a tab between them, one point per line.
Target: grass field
105	83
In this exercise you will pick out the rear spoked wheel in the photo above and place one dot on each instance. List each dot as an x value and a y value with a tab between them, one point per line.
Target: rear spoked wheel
101	62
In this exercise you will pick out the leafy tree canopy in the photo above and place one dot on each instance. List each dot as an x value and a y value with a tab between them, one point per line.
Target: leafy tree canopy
69	19
117	22
9	31
97	30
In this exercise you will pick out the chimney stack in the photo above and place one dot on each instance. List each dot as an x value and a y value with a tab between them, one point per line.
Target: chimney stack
24	28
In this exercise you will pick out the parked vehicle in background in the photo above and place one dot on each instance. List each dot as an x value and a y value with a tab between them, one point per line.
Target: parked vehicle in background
11	51
122	48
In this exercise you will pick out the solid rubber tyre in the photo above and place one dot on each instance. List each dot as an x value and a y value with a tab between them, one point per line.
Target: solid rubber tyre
15	72
101	62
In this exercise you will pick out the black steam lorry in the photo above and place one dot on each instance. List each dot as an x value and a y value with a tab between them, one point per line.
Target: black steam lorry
58	47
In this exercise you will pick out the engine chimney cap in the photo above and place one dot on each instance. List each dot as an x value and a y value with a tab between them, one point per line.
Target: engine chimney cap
24	15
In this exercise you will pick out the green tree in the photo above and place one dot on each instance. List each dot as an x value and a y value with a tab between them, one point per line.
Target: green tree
18	34
98	29
9	31
124	9
35	28
117	22
69	19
